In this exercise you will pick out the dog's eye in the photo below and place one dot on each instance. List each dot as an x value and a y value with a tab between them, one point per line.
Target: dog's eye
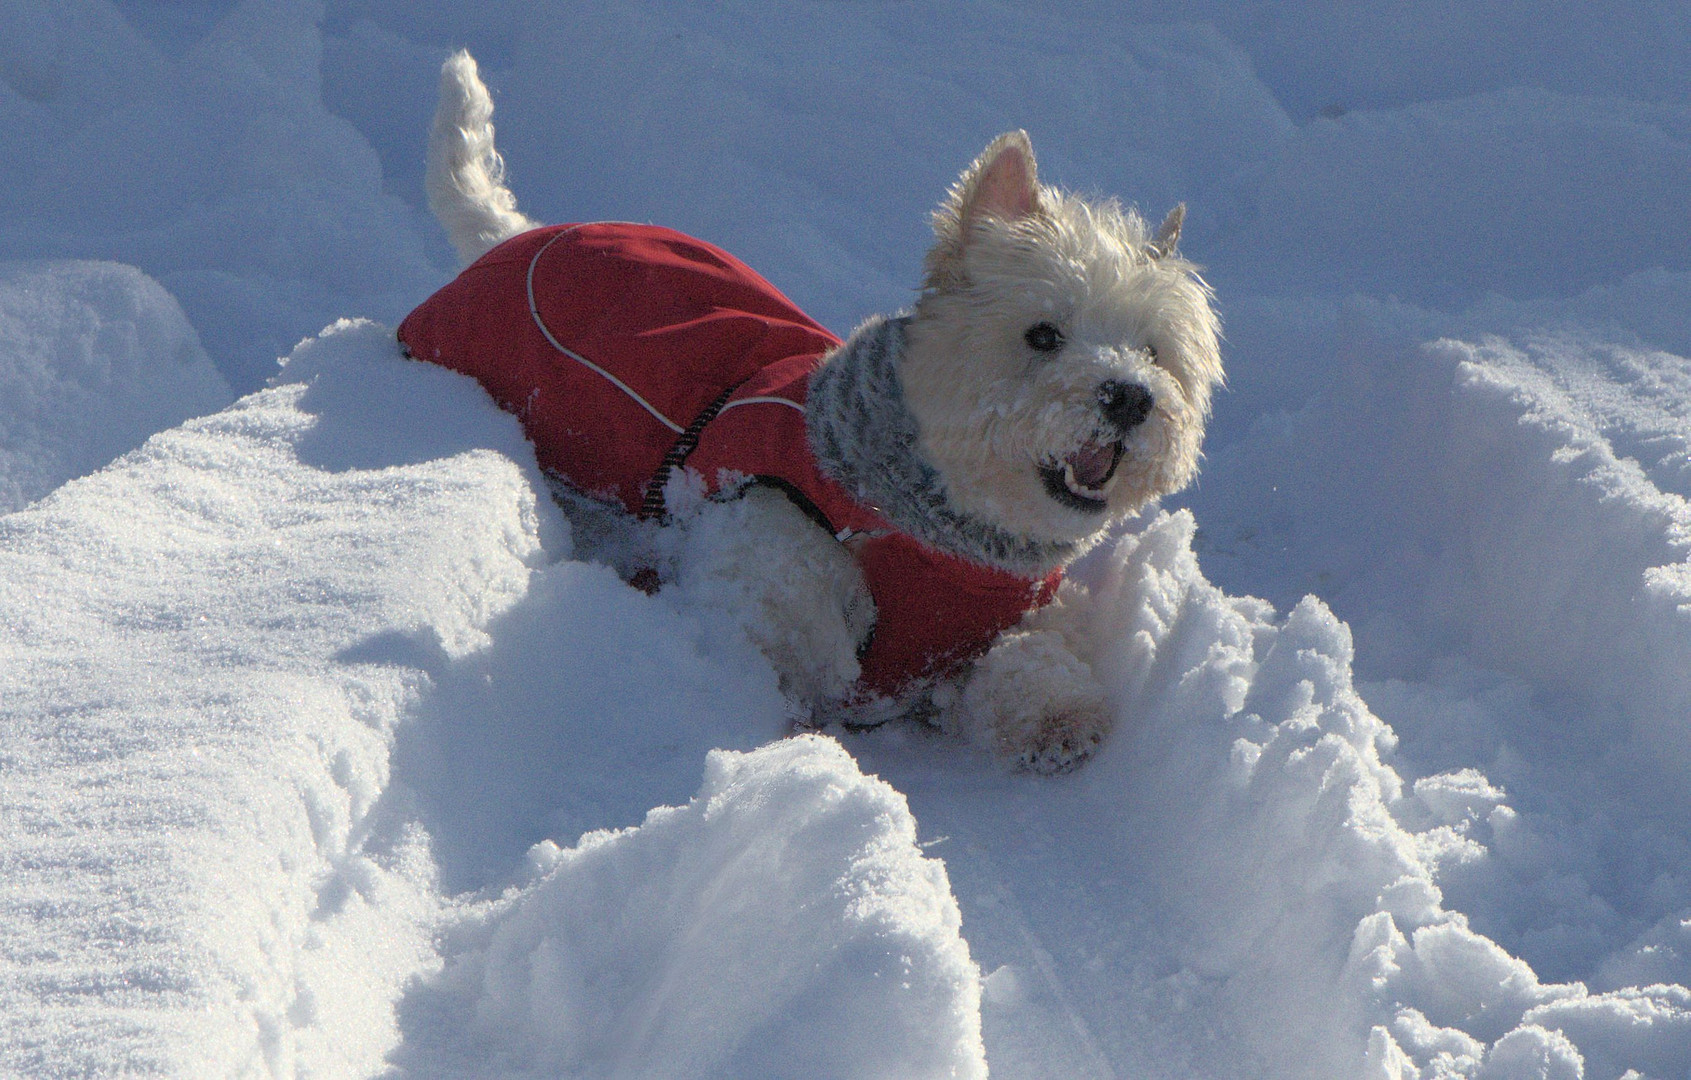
1043	337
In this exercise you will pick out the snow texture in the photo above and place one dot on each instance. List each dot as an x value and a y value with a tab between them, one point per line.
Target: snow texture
330	747
762	930
94	357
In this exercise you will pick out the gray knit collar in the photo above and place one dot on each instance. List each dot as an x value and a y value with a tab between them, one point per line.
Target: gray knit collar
864	437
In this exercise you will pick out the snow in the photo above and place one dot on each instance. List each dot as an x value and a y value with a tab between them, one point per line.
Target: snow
790	888
328	750
94	357
194	752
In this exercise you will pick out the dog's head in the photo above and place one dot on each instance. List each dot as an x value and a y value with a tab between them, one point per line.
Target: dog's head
1060	360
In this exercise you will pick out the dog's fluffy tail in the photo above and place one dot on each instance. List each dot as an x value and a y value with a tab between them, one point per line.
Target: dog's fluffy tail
466	175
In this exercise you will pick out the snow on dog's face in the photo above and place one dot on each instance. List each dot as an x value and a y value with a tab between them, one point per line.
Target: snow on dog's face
1060	361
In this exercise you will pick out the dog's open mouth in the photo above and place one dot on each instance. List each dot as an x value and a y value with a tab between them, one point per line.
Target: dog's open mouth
1078	481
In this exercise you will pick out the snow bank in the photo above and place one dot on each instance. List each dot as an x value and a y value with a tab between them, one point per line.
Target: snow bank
283	678
94	357
195	878
315	671
1243	884
1507	522
1521	192
1598	608
218	172
782	923
1511	542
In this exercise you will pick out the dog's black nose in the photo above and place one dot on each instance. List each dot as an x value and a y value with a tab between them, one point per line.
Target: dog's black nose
1126	405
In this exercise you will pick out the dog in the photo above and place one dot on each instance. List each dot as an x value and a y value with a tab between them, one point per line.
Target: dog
887	517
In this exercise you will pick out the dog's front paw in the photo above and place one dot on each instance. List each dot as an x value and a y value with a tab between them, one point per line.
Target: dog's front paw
1062	741
1036	703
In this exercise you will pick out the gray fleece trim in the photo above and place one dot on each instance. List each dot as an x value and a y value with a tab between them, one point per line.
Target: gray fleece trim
864	437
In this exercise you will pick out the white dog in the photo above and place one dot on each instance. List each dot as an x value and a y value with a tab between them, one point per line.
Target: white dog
1053	377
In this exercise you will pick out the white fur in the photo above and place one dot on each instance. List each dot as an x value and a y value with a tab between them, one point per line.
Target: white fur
466	176
1032	697
990	412
798	596
1131	309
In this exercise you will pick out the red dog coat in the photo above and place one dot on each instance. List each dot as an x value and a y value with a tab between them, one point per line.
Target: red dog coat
630	350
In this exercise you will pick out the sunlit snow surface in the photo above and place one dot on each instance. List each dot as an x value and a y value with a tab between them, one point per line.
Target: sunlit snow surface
321	755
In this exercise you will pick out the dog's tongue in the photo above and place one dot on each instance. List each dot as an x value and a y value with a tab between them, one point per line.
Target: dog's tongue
1093	463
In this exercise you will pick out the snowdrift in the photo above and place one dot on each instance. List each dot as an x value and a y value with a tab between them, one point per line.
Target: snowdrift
192	771
94	357
324	753
291	690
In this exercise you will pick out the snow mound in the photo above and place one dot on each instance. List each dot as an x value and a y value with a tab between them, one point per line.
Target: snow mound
1287	854
94	357
1506	520
1242	883
190	868
218	172
783	923
289	678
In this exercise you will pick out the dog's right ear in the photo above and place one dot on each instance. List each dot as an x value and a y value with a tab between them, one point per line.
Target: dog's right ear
1168	233
1002	183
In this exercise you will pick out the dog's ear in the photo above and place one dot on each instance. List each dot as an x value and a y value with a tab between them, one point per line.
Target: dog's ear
1168	233
1002	183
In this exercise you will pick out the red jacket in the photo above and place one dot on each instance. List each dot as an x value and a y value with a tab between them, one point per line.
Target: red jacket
629	350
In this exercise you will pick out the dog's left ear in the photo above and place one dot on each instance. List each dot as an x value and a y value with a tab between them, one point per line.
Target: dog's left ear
1002	183
1168	233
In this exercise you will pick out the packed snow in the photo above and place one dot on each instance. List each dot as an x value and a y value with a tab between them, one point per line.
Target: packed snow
328	750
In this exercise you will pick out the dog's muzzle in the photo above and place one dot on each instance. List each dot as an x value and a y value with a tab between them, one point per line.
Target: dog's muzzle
1079	480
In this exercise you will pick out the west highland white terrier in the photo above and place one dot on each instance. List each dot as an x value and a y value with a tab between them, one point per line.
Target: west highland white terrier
888	517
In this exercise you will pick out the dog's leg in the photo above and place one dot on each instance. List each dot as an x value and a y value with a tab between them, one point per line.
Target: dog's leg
797	593
1032	698
466	176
